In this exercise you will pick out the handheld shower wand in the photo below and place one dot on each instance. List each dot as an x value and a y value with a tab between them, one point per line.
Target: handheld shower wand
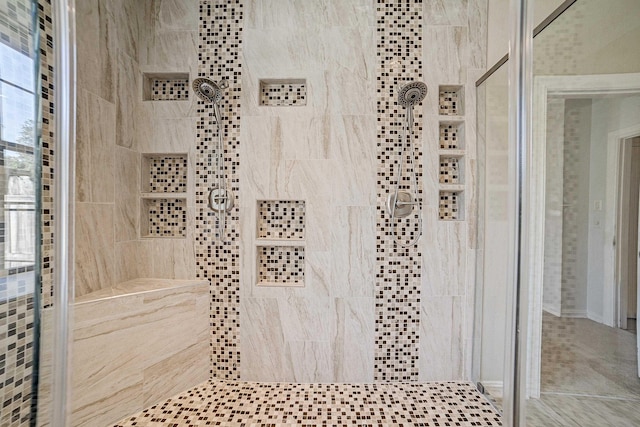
400	204
220	199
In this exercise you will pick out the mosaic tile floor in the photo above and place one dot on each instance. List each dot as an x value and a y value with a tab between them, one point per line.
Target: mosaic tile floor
278	405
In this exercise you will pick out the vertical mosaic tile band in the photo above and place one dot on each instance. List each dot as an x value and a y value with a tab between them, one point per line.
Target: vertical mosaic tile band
166	174
450	101
450	136
280	264
449	170
281	219
170	90
16	344
166	217
283	94
448	207
398	270
219	53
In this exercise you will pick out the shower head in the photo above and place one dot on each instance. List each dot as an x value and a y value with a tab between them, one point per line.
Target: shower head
208	90
412	93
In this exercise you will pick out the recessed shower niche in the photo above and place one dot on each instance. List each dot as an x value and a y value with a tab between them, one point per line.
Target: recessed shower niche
163	205
451	157
280	244
165	87
283	92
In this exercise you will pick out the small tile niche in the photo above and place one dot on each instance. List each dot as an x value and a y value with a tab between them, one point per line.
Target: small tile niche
451	170
163	217
451	135
280	233
164	173
450	101
283	92
280	265
281	219
449	208
165	87
163	204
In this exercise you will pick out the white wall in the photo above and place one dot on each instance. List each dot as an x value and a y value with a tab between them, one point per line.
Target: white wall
608	115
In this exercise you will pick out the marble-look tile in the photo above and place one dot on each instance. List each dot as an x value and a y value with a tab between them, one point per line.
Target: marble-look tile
353	49
354	13
306	319
184	266
175	135
128	92
260	136
306	137
319	277
445	49
354	339
45	368
127	203
126	20
312	361
176	15
445	263
478	10
94	247
441	340
96	140
353	243
262	344
132	260
176	373
446	12
95	34
306	14
171	51
122	345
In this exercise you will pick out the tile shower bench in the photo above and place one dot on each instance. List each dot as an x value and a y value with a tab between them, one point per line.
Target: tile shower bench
135	344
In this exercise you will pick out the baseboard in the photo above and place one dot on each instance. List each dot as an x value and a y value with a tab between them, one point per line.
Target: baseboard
575	313
552	309
595	317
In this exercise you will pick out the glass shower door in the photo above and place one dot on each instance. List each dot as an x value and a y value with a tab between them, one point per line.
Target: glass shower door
19	259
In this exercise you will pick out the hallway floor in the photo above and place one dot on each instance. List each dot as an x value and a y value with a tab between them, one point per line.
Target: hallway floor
227	403
589	376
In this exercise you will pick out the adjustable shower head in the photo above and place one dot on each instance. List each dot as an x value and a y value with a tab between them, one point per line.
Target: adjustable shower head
412	93
208	90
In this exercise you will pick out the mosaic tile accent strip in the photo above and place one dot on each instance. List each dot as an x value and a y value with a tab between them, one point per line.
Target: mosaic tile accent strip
281	219
449	208
399	28
166	174
280	264
47	59
280	93
165	217
16	360
219	56
451	136
281	405
18	36
169	89
449	170
450	101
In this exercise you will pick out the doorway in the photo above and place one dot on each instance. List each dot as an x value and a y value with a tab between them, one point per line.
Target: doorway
628	231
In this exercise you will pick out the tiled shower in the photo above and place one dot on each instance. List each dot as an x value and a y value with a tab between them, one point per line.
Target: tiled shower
308	285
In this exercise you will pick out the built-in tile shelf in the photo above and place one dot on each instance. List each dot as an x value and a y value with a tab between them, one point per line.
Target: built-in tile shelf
280	244
281	219
164	173
163	195
451	134
163	217
451	151
281	265
283	92
165	87
450	205
450	101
